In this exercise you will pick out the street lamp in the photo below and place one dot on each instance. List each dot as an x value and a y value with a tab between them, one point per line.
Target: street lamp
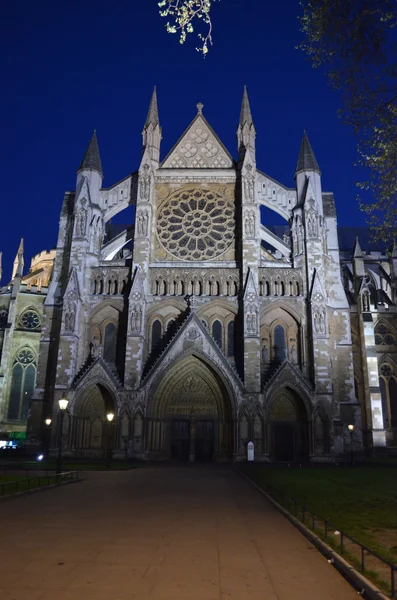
63	404
110	417
48	422
351	429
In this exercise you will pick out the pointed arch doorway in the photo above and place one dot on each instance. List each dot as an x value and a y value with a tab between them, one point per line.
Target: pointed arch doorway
191	416
288	427
92	434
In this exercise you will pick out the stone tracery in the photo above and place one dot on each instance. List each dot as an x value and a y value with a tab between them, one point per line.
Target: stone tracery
196	224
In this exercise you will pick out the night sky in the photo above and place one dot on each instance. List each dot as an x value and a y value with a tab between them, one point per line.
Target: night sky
71	67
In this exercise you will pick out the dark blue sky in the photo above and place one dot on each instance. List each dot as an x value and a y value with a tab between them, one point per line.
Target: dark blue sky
70	67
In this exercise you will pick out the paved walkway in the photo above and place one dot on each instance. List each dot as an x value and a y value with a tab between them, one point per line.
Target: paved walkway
158	533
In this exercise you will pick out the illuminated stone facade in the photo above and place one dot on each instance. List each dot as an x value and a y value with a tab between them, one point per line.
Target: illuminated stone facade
198	326
21	319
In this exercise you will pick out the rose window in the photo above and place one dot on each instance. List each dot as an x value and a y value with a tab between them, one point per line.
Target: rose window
196	224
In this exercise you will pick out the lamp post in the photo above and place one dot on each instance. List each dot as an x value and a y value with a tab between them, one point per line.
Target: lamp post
351	429
63	404
47	435
110	417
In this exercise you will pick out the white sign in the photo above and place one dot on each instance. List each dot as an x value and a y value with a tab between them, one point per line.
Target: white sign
250	451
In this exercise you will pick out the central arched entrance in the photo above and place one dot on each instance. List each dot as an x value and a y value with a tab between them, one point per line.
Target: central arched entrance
191	414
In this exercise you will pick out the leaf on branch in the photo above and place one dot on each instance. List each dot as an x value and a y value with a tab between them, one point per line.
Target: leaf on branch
183	14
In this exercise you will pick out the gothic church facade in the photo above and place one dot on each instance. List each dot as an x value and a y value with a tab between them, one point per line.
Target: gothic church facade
198	327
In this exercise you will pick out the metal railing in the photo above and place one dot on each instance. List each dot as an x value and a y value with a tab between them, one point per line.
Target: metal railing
32	483
359	555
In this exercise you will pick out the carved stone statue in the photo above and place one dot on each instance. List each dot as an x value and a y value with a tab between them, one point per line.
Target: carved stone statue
249	183
144	180
81	222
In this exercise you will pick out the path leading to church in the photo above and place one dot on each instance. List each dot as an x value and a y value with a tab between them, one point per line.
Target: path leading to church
158	533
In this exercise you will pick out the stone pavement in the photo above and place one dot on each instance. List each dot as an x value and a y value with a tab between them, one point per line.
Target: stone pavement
158	533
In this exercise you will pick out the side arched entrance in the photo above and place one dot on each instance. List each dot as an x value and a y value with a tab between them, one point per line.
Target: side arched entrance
288	432
91	433
190	417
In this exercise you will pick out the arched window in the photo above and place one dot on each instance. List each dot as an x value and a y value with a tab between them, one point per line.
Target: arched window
109	346
383	395
217	332
156	333
230	339
393	401
23	382
279	343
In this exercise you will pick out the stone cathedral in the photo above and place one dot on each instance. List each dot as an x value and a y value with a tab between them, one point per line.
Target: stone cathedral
202	329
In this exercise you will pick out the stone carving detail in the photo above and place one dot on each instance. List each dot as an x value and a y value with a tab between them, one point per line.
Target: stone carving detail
319	321
249	183
311	220
193	334
109	281
136	318
251	320
196	224
142	222
274	283
249	223
198	148
175	282
81	223
144	182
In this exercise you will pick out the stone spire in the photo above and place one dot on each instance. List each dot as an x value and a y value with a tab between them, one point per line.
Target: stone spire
151	134
358	260
153	112
246	130
245	113
1	265
92	160
306	161
394	249
357	252
19	262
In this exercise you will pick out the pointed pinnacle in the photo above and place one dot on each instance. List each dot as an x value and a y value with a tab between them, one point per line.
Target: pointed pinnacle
92	160
20	249
153	112
245	113
357	252
394	249
306	161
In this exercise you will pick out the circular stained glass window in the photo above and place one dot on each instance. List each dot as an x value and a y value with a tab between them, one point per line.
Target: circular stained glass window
196	224
30	320
25	356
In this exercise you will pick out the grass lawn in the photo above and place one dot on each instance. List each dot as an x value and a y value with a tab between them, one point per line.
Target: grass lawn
360	501
50	465
18	483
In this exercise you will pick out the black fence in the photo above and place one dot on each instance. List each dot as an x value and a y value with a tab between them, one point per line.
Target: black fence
381	571
39	481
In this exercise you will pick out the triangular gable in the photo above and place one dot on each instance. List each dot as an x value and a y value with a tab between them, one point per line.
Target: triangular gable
317	293
287	375
72	291
198	148
83	193
192	331
98	370
310	195
250	290
137	291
